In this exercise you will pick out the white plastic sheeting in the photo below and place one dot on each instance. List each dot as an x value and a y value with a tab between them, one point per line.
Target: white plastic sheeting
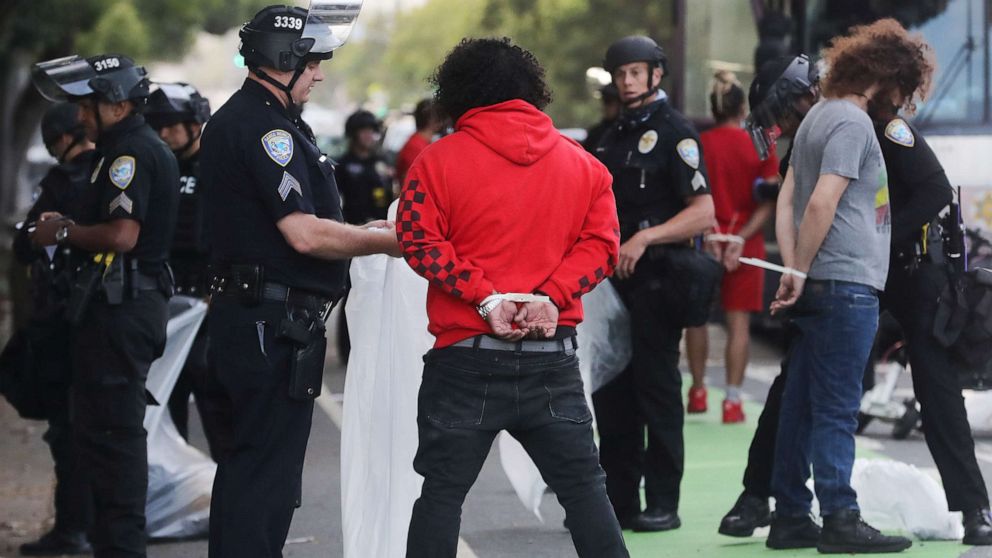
180	477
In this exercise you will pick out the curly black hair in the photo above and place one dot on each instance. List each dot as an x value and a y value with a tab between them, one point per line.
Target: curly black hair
483	72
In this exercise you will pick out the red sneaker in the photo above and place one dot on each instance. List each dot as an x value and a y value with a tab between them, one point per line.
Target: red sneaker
733	412
697	400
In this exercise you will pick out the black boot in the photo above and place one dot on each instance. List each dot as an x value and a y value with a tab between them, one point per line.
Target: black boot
793	532
57	543
978	527
656	520
844	532
749	513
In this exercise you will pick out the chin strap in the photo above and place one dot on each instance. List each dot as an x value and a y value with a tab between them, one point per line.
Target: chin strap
291	105
652	88
192	139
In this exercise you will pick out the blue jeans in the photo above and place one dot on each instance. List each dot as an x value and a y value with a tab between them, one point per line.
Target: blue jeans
466	398
836	323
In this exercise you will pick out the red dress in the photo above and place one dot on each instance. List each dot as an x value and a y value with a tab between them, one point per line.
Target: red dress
734	167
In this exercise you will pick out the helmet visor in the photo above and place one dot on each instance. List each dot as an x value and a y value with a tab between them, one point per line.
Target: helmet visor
63	79
330	23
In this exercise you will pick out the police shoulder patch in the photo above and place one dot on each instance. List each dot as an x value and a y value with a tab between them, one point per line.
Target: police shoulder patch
278	146
122	171
647	141
688	150
899	132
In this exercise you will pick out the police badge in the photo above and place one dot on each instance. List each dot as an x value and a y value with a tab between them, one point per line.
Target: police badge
278	145
122	171
898	131
688	150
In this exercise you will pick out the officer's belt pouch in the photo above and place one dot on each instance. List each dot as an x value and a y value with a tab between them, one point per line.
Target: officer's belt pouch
310	347
247	281
83	289
963	321
688	281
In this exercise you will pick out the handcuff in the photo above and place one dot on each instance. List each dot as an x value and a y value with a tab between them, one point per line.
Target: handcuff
492	301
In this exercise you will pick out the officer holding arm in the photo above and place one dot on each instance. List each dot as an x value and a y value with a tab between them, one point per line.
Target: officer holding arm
119	304
278	249
663	200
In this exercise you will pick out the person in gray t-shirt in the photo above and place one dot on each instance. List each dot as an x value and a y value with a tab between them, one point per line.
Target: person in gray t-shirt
838	138
833	227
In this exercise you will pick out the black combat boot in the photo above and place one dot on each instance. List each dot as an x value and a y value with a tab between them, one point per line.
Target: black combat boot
749	513
651	520
844	532
977	527
793	532
58	543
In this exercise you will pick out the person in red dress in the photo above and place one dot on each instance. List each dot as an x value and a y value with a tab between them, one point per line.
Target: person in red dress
428	124
735	172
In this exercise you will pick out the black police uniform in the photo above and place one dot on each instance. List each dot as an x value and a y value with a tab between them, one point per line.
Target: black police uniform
655	158
365	192
190	260
116	341
919	190
260	164
61	190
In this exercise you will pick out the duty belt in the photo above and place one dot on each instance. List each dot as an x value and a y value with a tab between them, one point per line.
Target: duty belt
276	292
568	345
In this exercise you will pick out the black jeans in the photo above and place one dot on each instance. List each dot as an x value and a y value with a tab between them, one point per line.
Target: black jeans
467	397
113	348
912	300
259	483
647	395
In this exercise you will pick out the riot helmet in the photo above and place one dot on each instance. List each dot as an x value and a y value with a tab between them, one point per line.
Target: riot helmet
286	38
779	85
637	48
358	120
61	119
178	103
111	78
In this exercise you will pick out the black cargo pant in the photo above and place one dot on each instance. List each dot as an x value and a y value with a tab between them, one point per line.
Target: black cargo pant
258	484
912	300
648	394
113	348
467	397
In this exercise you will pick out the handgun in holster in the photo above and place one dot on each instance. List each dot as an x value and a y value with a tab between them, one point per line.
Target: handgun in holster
306	333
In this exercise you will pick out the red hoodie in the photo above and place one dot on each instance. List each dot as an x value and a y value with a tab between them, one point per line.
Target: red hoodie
506	204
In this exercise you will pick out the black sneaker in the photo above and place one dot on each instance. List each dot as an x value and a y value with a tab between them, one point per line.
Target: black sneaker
748	513
793	532
845	532
977	527
57	543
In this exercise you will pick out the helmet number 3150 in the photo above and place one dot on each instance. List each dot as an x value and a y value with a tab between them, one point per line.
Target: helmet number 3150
106	64
286	22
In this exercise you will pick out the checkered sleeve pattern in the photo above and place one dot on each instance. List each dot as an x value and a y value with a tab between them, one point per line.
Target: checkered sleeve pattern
420	230
594	255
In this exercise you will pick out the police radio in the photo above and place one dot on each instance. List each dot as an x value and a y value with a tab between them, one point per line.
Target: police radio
953	235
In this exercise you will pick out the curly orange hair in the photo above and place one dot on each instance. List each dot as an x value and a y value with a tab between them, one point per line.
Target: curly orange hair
883	53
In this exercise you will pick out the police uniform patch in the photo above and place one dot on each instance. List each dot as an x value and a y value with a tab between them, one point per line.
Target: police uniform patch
122	171
698	182
122	201
688	150
647	141
900	133
278	145
289	184
96	171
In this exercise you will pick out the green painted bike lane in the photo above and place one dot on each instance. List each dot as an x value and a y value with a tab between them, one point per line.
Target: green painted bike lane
716	455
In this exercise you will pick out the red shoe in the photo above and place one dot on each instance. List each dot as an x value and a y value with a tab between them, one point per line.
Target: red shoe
697	400
733	412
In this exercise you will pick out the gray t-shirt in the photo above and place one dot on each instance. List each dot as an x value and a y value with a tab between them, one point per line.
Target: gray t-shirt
837	137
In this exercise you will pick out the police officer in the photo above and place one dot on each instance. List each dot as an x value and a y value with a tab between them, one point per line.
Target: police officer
61	190
918	188
663	200
278	249
119	304
610	108
178	112
362	175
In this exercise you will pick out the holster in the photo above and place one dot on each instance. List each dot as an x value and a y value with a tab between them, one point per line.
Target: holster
83	290
310	347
